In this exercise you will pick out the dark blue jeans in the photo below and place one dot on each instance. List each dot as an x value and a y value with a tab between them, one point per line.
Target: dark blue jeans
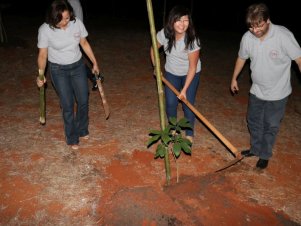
71	84
264	119
172	100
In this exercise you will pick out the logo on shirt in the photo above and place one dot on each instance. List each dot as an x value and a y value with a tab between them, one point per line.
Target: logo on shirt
274	54
76	36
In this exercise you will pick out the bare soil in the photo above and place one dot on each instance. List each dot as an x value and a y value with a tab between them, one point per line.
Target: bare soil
113	179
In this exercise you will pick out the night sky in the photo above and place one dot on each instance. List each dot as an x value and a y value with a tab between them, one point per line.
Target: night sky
210	14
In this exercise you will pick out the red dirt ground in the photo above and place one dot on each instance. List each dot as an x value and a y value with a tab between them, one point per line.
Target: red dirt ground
113	179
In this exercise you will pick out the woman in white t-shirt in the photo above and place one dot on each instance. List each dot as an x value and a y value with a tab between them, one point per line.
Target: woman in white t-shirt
182	67
59	41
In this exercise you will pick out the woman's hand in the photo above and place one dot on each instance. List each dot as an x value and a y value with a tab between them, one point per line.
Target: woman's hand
95	69
40	83
182	95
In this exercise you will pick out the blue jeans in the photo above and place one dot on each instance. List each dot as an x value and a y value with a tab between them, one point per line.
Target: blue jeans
264	119
172	100
71	84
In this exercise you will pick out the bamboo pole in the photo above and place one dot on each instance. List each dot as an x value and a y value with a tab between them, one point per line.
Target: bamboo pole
42	99
159	82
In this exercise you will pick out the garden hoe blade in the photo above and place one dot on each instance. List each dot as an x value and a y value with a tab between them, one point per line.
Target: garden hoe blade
233	150
99	79
237	159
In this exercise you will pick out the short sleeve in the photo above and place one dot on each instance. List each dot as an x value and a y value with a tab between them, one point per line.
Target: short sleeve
291	45
42	36
243	50
195	47
161	37
83	30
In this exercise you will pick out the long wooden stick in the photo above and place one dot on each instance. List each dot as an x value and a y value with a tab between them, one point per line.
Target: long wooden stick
227	143
103	97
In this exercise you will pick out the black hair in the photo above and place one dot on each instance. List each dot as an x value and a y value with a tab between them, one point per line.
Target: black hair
174	15
55	11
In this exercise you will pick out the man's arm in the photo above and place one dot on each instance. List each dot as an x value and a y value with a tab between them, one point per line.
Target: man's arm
298	61
237	69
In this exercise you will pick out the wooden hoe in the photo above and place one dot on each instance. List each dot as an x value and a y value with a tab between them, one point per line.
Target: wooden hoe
99	79
234	151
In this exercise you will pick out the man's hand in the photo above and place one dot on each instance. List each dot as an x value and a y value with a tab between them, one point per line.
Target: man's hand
234	87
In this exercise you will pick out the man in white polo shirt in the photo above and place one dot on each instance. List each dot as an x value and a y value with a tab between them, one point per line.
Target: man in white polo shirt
271	49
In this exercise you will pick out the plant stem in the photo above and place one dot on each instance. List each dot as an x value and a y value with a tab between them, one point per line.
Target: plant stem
177	166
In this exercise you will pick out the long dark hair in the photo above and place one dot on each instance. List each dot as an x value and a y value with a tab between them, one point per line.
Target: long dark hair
55	11
175	14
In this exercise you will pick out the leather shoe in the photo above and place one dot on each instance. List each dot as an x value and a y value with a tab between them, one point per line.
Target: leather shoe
247	153
262	163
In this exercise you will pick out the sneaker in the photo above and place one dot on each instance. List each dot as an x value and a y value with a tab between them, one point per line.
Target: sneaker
190	138
86	137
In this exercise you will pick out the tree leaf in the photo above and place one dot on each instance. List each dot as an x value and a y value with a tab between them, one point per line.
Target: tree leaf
184	123
177	149
155	132
173	121
160	151
153	140
188	142
166	139
186	148
166	130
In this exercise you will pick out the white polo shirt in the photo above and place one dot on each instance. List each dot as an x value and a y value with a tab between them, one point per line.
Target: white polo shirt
270	61
63	45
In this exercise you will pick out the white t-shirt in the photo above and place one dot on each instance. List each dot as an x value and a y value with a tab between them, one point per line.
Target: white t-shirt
177	61
270	61
63	45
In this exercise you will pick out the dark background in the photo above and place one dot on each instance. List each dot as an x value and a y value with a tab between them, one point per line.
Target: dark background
210	14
